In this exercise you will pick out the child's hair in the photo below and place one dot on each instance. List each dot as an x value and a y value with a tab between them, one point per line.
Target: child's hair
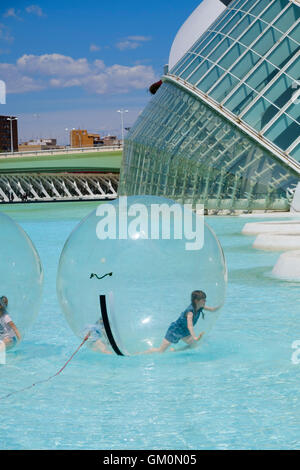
3	302
197	295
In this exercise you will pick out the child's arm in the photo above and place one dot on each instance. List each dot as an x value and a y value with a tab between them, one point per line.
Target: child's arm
191	327
13	326
212	309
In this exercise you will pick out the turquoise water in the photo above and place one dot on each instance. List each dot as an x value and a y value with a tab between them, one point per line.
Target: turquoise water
240	390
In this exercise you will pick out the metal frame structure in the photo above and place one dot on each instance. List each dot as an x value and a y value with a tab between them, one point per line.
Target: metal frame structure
191	146
49	187
233	9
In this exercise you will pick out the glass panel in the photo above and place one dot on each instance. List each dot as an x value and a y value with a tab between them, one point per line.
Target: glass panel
225	20
245	64
218	38
280	92
203	37
262	76
223	88
288	18
283	132
223	47
210	79
256	29
283	53
220	19
295	33
260	114
232	22
240	28
197	75
267	41
240	99
181	64
262	4
296	153
213	144
238	4
232	55
202	43
294	69
247	5
274	10
195	63
294	109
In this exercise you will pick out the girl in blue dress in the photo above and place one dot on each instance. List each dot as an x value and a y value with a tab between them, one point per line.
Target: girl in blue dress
183	327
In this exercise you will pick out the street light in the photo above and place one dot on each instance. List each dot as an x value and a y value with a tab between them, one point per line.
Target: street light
11	133
71	140
122	111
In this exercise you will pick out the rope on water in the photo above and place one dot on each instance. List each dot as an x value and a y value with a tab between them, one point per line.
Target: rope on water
52	376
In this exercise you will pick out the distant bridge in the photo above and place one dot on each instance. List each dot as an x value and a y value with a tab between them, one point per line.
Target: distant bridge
83	174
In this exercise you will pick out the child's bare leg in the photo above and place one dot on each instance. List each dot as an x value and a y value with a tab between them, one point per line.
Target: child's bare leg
100	346
8	343
163	347
188	340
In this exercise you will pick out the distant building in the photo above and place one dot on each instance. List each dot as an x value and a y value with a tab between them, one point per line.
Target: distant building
110	140
38	144
5	133
82	138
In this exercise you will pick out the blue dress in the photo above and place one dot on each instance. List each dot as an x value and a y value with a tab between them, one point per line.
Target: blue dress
178	329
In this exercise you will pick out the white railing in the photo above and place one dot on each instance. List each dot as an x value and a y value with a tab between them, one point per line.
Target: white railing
62	151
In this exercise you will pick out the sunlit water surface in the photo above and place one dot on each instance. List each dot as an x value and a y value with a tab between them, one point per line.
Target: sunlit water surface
239	390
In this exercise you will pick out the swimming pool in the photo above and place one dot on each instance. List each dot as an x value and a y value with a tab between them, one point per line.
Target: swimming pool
240	390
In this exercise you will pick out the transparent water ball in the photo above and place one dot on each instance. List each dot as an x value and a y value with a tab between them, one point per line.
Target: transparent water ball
125	275
21	276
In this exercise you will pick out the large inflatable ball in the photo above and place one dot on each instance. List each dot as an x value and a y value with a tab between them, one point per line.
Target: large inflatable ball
128	270
21	281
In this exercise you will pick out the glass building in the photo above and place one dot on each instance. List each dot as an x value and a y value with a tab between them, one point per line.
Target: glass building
224	127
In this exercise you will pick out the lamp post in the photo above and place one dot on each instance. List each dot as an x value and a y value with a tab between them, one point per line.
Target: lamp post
122	111
71	133
11	133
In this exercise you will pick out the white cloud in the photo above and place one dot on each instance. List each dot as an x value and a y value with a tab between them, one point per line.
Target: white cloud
125	45
94	48
139	38
16	82
5	33
99	64
35	10
53	64
33	73
132	42
11	13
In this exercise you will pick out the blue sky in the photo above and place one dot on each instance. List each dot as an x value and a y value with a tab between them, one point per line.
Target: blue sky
74	64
